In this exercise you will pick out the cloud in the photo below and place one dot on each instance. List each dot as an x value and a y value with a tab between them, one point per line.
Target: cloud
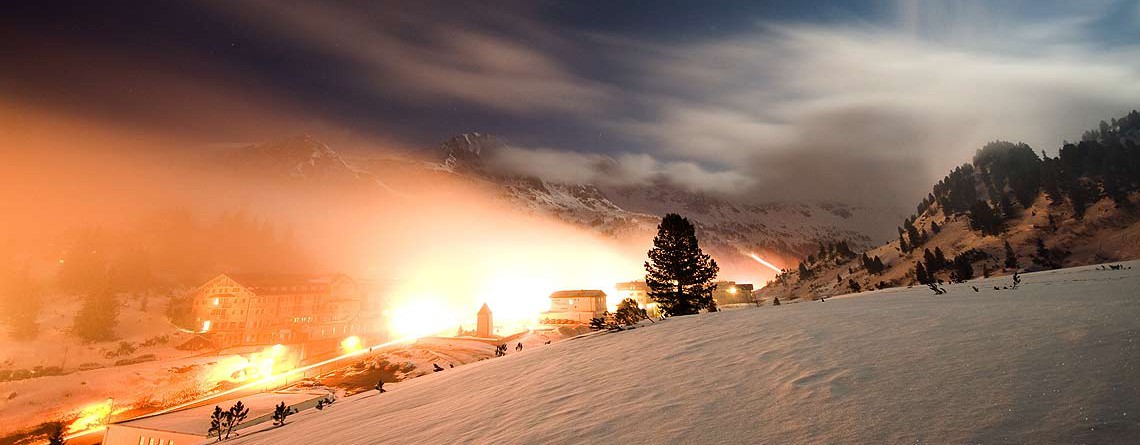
498	59
870	114
861	112
625	169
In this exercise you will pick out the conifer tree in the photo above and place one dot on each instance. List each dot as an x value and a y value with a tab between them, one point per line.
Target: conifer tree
940	257
963	268
95	320
280	412
55	435
628	313
679	275
1010	256
21	303
920	273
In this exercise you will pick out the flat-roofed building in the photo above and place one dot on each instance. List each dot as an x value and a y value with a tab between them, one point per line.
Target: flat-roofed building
575	306
731	292
636	290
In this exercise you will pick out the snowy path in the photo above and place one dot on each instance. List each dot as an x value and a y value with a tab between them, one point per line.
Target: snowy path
1056	361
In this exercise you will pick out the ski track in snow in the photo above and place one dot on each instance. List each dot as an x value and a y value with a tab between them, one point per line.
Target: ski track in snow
1055	361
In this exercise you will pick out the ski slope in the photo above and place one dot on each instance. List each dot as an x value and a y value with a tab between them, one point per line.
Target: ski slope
1054	361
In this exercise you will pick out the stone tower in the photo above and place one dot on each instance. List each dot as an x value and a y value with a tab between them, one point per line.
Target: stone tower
485	327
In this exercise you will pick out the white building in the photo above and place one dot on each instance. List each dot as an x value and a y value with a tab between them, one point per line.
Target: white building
575	307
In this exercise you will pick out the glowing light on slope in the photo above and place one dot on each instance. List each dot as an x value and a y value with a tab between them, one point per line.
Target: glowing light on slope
426	315
94	416
761	261
258	365
515	281
351	344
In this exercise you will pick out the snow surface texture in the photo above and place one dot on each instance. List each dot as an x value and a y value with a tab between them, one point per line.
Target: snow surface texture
1054	361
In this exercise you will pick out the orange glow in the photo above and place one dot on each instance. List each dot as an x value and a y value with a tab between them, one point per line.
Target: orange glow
515	280
259	365
94	416
351	344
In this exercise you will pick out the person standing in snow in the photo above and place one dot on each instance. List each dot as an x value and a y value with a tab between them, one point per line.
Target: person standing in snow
519	347
380	387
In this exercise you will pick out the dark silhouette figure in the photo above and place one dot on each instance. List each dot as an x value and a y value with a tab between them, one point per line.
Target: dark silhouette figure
436	367
450	365
975	288
519	347
380	387
547	342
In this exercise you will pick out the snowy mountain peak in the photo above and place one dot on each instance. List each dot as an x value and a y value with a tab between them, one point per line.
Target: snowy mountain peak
466	151
298	157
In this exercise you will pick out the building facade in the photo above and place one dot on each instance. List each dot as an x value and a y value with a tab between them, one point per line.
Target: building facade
731	292
575	307
265	309
636	290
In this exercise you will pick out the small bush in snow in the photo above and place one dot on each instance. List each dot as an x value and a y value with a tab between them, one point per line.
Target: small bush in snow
280	412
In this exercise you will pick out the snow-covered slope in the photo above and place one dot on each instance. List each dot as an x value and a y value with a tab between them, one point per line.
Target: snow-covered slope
1055	361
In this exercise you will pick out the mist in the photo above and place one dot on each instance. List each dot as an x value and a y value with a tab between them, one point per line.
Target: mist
179	213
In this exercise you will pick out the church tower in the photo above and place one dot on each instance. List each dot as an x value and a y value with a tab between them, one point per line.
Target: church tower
485	328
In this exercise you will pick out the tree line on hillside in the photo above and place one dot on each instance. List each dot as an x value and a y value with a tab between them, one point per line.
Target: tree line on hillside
1002	180
1005	178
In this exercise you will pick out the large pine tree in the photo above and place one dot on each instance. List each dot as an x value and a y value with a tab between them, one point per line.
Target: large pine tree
679	275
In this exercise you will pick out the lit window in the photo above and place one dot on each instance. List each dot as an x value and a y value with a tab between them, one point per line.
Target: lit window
142	440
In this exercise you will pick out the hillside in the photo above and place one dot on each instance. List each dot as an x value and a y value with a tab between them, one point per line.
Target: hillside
903	366
1007	210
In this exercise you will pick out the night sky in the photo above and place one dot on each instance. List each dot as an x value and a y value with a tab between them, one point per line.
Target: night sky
731	96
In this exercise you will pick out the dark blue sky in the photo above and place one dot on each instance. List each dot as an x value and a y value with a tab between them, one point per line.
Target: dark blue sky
714	93
52	46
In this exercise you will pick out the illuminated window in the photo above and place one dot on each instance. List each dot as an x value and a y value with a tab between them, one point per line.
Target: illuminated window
142	440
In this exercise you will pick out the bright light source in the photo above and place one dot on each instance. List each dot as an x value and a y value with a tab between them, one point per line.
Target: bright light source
206	326
761	261
732	290
94	415
351	344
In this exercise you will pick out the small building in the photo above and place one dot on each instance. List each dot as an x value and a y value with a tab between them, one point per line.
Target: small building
191	426
575	307
484	327
636	290
731	292
265	309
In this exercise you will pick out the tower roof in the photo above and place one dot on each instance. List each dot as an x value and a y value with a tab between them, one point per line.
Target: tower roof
484	309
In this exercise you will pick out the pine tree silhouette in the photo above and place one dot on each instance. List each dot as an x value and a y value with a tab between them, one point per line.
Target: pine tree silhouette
679	275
